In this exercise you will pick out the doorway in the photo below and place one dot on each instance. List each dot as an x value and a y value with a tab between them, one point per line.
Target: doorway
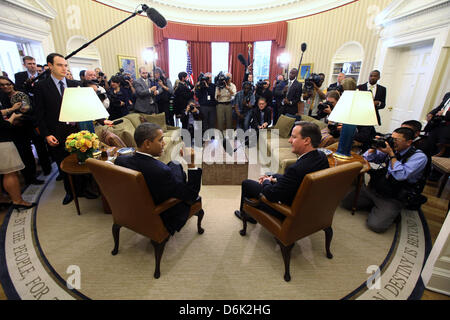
406	74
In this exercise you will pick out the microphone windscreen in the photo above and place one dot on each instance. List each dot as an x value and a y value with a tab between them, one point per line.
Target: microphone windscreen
156	17
303	46
242	59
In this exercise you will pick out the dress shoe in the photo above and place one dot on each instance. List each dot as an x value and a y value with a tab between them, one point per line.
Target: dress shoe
23	206
88	195
67	199
239	214
59	177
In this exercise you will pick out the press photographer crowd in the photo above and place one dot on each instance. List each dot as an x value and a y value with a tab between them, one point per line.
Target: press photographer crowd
30	110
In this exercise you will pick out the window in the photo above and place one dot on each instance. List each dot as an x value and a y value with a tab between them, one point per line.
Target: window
219	52
261	56
177	58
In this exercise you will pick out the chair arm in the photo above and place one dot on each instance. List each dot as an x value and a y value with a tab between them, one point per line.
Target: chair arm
166	205
252	202
281	208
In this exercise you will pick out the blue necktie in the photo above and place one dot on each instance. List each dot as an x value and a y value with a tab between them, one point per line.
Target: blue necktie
61	87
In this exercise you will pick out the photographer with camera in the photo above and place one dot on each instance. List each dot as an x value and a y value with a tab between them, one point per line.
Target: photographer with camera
90	75
127	88
183	94
191	117
292	95
313	94
146	92
263	90
243	104
118	100
396	185
225	92
101	78
332	132
260	116
165	88
205	92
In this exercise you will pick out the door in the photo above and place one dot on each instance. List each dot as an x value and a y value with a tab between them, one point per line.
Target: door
406	74
76	64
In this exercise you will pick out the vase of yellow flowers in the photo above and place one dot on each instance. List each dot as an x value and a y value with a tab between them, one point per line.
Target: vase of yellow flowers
83	143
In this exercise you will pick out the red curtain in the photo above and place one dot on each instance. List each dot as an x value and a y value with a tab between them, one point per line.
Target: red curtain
162	49
237	36
275	70
236	68
201	61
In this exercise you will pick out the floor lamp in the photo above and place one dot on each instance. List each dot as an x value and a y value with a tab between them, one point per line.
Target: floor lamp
354	108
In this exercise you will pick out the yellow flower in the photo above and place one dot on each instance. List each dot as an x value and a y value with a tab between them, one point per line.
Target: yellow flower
88	143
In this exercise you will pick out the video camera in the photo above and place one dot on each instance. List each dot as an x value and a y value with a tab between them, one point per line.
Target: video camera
313	78
260	84
321	107
381	141
333	128
123	78
221	80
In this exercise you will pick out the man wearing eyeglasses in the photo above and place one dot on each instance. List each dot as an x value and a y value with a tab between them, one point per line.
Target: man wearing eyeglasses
397	185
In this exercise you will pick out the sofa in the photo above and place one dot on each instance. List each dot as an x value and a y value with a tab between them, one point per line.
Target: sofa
278	149
125	133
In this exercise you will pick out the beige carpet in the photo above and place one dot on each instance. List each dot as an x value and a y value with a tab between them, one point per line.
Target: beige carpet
220	264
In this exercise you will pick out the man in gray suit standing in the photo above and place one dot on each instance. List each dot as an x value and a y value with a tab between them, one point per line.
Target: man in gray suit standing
146	92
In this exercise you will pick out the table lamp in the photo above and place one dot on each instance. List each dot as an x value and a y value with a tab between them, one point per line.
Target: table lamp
81	104
354	108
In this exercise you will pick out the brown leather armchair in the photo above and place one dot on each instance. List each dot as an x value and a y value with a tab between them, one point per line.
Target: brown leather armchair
312	209
133	207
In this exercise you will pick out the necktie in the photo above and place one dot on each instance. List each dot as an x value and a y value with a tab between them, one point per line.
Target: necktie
61	87
372	89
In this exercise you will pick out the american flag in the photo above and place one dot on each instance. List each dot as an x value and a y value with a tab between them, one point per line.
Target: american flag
189	68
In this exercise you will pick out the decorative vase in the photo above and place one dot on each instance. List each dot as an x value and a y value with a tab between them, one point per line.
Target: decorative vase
83	156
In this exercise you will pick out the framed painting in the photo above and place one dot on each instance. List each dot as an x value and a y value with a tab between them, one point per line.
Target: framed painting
305	71
129	65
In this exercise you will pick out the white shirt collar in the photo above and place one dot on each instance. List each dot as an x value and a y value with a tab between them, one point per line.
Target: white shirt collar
146	154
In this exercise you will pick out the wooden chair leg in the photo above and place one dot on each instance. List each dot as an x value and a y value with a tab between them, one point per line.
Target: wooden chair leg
115	232
286	252
200	215
328	237
243	232
159	249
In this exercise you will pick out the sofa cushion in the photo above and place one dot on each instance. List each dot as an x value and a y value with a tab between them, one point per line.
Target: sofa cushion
134	119
321	124
284	125
110	139
121	128
159	119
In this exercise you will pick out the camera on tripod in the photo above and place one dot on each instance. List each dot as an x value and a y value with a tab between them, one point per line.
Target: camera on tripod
381	141
321	109
221	80
314	78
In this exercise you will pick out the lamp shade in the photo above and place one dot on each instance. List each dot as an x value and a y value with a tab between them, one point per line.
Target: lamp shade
356	108
81	104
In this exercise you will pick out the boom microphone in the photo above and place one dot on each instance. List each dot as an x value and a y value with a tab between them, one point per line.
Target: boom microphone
303	46
155	16
242	60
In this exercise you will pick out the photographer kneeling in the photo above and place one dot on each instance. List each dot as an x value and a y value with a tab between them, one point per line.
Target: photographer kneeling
395	186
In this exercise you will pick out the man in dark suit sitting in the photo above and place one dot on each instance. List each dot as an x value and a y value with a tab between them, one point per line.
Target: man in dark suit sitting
304	139
163	181
378	92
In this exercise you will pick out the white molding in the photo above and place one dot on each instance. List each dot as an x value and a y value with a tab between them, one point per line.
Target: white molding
229	13
45	10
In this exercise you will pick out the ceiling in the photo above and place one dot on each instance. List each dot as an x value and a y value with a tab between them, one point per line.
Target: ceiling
230	12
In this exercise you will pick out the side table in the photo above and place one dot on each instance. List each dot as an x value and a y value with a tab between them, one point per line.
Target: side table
71	166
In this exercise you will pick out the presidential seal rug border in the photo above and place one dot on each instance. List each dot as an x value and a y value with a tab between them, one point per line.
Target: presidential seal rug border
399	276
26	273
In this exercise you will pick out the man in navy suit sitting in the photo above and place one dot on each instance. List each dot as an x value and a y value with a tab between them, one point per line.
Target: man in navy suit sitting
163	181
304	139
